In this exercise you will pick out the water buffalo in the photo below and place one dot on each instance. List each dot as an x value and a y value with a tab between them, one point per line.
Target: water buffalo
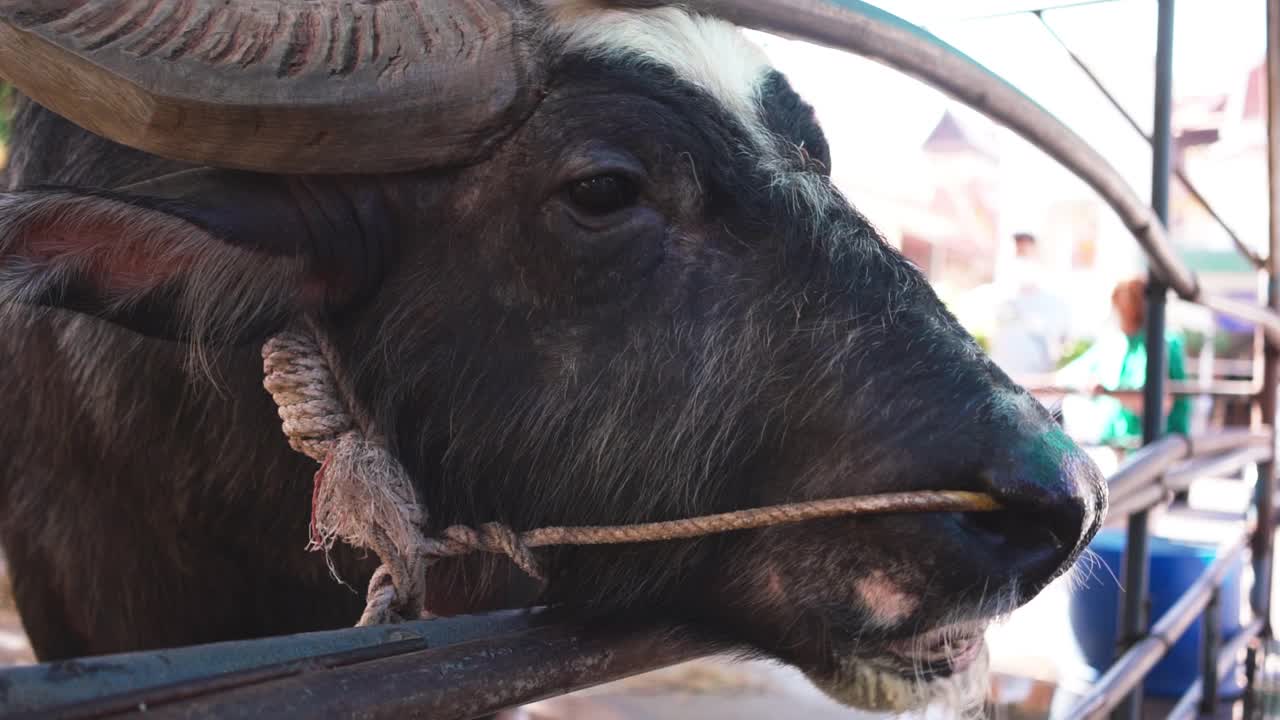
582	264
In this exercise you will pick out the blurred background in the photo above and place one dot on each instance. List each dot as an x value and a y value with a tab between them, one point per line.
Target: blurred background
1028	258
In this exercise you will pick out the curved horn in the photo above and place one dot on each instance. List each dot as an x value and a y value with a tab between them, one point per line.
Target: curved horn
326	86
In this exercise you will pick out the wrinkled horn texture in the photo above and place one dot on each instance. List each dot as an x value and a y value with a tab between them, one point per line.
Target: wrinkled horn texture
281	85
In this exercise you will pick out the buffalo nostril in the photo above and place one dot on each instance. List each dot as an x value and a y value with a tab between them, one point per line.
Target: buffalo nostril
1051	496
1040	526
1014	528
1030	543
1032	528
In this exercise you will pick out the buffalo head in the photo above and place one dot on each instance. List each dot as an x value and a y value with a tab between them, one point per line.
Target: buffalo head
584	265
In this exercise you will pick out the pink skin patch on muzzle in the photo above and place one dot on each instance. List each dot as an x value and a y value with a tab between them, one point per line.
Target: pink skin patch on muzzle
886	601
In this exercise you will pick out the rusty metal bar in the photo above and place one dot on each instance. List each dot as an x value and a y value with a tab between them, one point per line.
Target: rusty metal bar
1129	670
99	679
1228	658
458	682
129	702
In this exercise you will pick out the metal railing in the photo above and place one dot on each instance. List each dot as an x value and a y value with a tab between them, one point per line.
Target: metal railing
1147	479
446	669
1153	474
1125	675
470	667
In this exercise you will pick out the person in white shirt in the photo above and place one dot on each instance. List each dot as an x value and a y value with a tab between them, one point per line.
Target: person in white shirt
1031	323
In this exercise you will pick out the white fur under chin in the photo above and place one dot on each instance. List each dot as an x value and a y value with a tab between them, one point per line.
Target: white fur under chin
865	687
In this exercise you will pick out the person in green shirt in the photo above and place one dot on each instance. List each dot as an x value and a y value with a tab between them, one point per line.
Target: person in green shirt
1118	361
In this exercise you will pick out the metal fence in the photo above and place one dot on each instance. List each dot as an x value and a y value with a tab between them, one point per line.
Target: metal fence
447	669
1151	477
472	667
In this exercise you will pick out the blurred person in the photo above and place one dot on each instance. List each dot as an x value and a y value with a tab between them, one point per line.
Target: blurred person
1118	361
1031	323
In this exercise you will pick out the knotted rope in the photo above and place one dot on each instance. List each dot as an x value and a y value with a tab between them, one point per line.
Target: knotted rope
363	496
361	493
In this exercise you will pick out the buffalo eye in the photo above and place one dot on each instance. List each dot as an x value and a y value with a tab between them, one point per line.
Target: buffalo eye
603	194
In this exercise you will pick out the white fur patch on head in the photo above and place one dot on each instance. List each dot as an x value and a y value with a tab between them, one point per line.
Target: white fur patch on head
707	52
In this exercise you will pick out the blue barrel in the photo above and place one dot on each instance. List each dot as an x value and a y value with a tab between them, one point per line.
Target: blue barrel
1175	565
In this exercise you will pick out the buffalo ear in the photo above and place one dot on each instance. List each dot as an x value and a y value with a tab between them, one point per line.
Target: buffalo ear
208	256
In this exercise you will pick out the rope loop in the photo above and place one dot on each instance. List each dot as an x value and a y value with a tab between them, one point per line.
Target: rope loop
362	495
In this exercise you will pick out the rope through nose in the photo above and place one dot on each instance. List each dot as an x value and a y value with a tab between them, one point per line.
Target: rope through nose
363	496
460	540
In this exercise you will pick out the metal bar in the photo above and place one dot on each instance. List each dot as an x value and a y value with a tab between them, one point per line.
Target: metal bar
1251	675
1228	659
1133	620
1260	316
1212	638
854	26
1133	612
1161	162
1119	511
1145	465
124	703
1180	479
1264	540
62	684
457	682
1222	388
1244	249
1163	488
1133	609
1128	671
1211	443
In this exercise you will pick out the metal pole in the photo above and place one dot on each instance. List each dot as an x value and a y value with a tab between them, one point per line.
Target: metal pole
1133	621
1212	638
1157	291
1265	496
1250	675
